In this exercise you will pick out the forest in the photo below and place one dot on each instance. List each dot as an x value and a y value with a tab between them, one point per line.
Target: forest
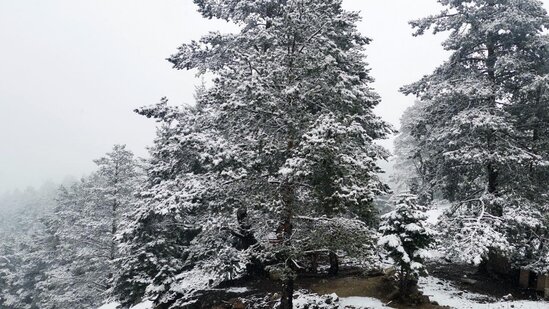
268	191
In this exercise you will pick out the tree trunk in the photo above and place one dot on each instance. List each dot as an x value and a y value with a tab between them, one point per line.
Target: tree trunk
491	172
286	302
284	232
334	264
114	224
494	207
492	179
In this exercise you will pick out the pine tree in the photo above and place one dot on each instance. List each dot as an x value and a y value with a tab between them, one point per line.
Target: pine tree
26	242
412	164
481	120
83	226
176	203
406	237
117	180
286	130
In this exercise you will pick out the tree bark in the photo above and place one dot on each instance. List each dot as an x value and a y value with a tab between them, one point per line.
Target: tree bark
492	174
284	232
286	302
334	264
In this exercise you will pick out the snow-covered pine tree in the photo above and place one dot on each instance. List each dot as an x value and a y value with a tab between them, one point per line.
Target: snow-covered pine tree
287	129
83	224
181	199
292	91
118	177
26	244
407	237
484	112
412	164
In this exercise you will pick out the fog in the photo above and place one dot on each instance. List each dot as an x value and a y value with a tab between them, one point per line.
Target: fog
72	71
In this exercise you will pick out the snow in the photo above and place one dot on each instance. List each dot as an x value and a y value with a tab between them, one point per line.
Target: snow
303	299
237	290
434	213
115	305
144	305
361	302
391	240
441	291
445	294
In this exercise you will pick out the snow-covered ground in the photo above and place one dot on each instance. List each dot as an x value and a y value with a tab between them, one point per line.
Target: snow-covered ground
434	213
115	305
361	302
305	300
445	294
441	291
110	306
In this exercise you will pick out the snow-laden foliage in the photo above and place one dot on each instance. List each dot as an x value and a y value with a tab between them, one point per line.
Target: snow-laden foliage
479	133
518	234
66	259
407	237
24	243
286	130
84	224
412	167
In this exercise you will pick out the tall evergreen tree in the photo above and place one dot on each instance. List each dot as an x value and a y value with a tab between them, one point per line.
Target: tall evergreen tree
26	245
286	131
80	255
412	164
482	120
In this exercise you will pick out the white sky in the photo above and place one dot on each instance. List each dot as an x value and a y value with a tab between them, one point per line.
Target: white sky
72	71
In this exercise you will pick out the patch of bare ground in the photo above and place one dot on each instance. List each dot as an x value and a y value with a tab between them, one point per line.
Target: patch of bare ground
468	278
352	282
356	284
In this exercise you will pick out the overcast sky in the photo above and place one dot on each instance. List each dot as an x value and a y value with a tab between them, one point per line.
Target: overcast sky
72	71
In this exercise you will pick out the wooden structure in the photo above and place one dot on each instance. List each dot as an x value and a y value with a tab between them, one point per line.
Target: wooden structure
531	280
543	285
524	279
314	257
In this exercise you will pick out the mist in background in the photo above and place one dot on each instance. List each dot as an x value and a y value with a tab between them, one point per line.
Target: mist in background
72	71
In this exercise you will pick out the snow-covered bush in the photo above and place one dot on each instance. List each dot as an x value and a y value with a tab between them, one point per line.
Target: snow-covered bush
406	237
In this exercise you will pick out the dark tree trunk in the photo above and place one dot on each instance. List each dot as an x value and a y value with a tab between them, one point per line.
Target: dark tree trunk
314	262
334	264
492	179
285	227
494	207
286	302
284	232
